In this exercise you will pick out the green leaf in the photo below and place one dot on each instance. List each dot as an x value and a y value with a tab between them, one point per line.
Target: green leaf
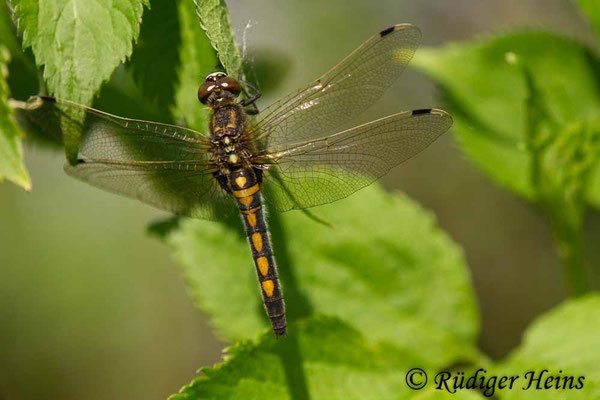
22	77
122	96
566	339
527	111
386	269
435	394
8	36
79	43
214	19
156	56
11	151
337	363
490	100
591	9
198	59
171	60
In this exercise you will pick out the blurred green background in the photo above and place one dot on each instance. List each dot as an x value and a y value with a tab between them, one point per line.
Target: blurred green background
91	307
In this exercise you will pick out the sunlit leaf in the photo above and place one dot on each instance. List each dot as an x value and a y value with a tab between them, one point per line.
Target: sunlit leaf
386	269
565	342
489	99
79	43
214	19
337	363
198	59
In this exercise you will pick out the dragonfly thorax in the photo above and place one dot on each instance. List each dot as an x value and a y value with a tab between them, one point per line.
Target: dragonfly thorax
227	125
227	121
231	156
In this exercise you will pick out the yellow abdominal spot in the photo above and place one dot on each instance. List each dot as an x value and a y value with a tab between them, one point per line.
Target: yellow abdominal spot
246	200
251	218
241	181
257	241
268	287
263	265
233	158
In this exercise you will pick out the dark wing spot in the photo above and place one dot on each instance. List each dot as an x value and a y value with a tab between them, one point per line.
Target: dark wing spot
49	99
387	31
422	111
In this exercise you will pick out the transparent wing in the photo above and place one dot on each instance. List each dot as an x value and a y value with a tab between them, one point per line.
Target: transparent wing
163	165
115	138
167	187
342	93
327	169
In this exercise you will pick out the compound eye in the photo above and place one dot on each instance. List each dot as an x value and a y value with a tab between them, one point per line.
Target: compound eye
214	77
230	84
205	90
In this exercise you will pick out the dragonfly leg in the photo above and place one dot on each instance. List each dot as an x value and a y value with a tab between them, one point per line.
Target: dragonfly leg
251	100
253	110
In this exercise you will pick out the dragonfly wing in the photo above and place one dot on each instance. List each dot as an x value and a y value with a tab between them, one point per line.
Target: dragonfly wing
111	137
342	93
166	187
163	165
327	169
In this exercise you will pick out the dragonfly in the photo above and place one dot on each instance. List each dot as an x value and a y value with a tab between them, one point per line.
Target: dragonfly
295	154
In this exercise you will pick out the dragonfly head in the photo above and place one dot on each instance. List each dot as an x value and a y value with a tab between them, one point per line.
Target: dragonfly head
216	85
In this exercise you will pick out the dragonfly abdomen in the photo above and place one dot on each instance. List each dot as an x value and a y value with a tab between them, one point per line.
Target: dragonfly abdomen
246	189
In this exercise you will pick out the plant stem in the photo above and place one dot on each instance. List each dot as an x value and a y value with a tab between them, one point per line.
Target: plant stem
558	176
569	245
